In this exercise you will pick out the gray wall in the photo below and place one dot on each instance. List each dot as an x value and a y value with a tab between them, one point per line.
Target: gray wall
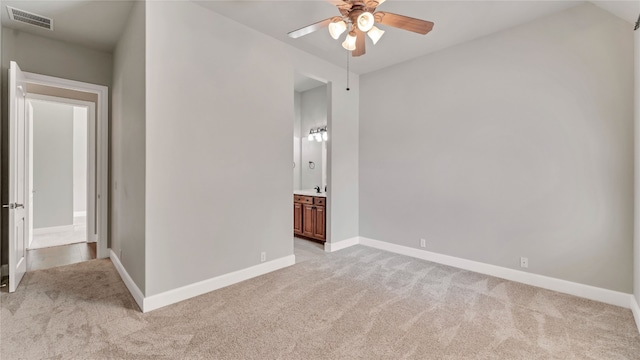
516	144
48	57
128	148
52	164
313	110
56	58
218	164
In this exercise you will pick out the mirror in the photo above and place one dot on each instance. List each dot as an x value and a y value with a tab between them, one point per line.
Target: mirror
309	156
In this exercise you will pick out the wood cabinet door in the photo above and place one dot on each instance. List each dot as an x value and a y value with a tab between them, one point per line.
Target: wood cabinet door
319	225
308	224
297	218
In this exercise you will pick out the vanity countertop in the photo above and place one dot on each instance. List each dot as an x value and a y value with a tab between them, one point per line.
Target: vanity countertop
311	192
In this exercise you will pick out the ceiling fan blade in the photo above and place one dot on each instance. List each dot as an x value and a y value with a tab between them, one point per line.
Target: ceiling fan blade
310	28
403	22
360	44
340	3
373	4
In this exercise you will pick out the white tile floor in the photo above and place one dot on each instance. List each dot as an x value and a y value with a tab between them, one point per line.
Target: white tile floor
77	235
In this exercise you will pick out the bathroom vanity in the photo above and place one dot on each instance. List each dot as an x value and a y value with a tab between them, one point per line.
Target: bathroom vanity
309	215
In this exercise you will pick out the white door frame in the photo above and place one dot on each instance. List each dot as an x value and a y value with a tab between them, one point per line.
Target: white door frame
91	163
102	148
18	231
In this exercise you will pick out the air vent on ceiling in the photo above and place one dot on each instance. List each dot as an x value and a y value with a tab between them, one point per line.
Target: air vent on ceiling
30	18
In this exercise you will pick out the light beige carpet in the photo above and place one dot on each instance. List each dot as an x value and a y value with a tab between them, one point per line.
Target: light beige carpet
358	303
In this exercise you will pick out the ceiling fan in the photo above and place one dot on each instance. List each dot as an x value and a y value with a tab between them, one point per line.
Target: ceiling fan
361	16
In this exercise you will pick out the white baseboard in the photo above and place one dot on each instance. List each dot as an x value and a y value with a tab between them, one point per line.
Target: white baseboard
128	281
186	292
635	309
581	290
53	229
331	247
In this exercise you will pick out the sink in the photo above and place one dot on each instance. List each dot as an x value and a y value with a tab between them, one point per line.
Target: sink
310	192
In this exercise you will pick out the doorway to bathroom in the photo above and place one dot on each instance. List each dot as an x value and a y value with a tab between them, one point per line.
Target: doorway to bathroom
311	139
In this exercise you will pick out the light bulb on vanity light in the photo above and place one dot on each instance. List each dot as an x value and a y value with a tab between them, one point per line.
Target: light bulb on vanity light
310	137
325	135
318	137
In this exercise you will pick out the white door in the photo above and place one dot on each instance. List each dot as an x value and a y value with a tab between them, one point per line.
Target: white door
29	160
18	233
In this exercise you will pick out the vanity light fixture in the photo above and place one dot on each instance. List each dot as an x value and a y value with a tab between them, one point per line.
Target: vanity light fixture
318	134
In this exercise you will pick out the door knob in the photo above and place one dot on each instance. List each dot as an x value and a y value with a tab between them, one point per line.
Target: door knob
12	206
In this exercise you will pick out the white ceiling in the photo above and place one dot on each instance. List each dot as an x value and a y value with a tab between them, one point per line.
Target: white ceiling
455	22
627	10
98	24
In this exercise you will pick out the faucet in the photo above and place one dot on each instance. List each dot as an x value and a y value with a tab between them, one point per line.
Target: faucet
317	189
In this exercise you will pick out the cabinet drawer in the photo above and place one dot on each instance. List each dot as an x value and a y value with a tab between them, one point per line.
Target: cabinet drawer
319	200
303	199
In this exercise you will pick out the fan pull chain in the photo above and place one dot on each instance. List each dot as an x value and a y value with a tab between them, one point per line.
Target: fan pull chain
348	53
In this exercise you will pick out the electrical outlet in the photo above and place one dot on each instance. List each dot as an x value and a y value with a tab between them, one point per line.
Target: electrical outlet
524	262
263	256
423	243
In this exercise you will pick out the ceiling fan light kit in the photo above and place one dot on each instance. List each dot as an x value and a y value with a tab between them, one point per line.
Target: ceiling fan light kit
375	34
365	21
336	28
361	16
350	41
